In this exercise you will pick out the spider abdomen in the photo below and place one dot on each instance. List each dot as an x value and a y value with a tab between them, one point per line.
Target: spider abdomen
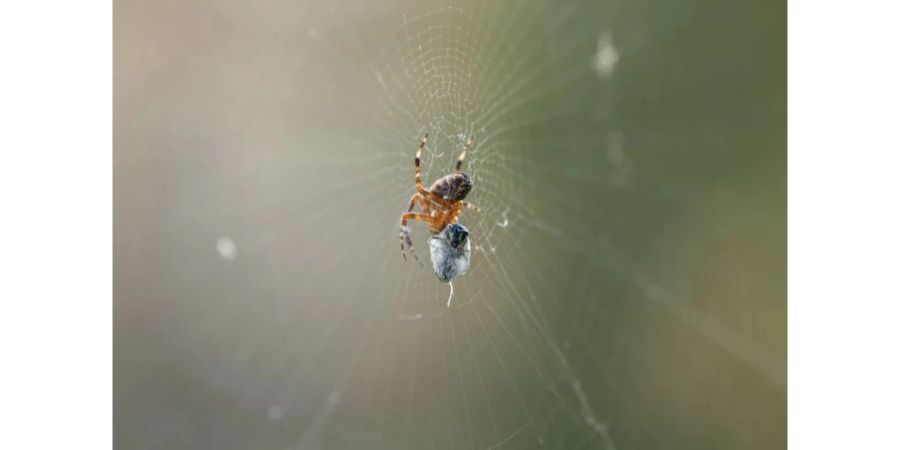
453	187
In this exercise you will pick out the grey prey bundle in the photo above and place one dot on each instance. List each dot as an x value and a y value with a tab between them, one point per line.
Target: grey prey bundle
451	250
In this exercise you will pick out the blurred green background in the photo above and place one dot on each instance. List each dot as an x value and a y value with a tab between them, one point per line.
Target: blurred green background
628	287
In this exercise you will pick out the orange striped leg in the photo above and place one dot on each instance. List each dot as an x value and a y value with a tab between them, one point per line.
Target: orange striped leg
470	206
462	155
424	204
412	202
404	233
419	186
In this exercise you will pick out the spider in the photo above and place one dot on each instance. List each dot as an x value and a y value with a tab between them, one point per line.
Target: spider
440	204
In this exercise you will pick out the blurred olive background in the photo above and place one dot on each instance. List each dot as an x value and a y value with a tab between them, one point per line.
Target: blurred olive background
628	289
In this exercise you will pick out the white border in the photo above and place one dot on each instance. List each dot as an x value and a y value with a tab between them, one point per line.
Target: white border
55	194
844	344
56	225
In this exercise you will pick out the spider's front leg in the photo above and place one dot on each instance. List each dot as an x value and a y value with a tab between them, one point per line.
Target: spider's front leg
406	238
462	155
419	186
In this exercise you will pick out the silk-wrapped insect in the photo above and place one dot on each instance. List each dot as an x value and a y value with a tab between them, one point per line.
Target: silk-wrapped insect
451	251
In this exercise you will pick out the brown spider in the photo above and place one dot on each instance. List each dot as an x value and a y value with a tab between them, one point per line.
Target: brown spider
440	204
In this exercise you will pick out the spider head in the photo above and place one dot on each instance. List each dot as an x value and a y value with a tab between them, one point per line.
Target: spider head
457	235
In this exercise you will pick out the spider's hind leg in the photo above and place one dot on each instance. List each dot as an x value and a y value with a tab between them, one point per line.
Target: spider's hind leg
470	206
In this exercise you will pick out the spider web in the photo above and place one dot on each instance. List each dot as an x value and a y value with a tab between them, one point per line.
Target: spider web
563	330
488	372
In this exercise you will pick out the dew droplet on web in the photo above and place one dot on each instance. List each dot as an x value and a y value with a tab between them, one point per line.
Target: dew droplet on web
226	248
505	222
275	413
606	58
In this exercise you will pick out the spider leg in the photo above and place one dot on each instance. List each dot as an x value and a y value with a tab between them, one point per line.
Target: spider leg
470	206
419	187
462	155
405	237
404	232
422	203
